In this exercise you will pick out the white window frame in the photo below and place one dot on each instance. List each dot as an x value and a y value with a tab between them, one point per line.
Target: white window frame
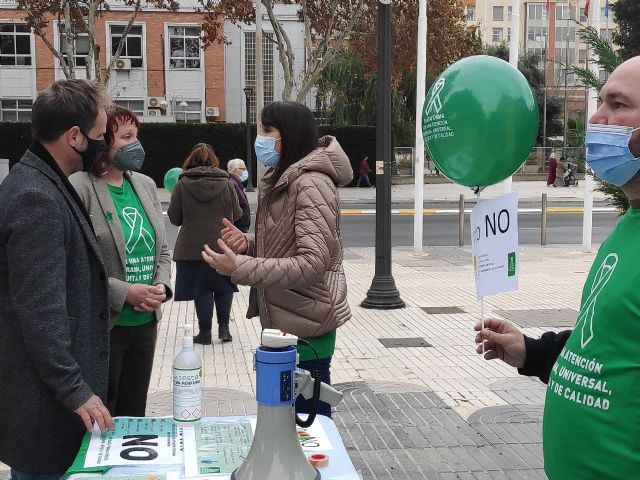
471	13
494	32
126	102
31	55
58	46
171	25
495	9
534	9
190	112
245	81
143	44
17	110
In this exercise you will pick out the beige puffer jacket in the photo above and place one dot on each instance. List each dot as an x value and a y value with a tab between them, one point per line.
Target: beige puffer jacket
298	250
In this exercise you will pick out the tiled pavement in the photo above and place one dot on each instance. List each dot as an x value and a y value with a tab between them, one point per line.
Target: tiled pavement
436	412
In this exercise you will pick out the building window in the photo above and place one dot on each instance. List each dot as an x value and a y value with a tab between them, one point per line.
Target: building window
536	34
605	34
184	47
498	14
582	56
132	48
192	114
509	34
136	106
471	14
605	15
15	44
603	75
15	110
82	46
565	56
497	35
536	12
509	13
563	12
563	32
267	67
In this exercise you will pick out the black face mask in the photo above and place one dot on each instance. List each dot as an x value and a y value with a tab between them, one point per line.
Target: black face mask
92	152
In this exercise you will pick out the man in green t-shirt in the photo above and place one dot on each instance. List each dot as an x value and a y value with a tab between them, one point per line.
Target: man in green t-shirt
592	408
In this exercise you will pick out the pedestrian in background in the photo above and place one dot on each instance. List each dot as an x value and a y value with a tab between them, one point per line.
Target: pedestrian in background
54	300
295	257
127	217
200	200
561	168
364	172
238	175
551	169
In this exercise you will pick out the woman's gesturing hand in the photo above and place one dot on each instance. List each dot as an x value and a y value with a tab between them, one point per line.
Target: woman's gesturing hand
233	237
223	263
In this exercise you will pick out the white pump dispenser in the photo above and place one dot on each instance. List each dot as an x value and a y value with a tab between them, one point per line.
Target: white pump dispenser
187	382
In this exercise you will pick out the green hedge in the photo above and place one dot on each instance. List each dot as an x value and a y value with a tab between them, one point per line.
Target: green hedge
167	145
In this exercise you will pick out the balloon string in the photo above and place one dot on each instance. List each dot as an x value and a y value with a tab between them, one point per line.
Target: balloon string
482	298
482	319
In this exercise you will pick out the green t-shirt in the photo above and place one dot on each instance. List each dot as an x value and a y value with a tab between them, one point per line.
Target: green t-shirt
140	247
591	424
325	345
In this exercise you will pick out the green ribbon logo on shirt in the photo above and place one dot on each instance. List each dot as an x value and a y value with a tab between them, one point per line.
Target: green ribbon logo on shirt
137	231
586	313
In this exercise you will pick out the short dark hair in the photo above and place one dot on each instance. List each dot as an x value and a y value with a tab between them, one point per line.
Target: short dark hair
298	129
65	104
202	155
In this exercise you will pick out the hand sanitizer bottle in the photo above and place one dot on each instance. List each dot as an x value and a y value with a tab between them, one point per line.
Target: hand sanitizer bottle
187	382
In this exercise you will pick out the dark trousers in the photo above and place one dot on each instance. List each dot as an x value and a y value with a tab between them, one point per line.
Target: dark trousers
323	366
204	303
364	178
130	364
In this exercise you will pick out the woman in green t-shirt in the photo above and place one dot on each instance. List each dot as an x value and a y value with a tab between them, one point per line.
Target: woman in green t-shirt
128	221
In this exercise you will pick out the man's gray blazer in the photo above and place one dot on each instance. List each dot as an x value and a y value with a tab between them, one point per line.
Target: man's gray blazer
54	325
95	195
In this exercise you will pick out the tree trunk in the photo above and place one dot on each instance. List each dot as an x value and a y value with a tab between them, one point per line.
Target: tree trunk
69	42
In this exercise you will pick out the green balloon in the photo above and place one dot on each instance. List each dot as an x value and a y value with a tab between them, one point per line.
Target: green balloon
171	178
480	121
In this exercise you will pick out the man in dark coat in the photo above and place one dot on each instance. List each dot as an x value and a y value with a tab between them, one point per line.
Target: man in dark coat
238	174
54	306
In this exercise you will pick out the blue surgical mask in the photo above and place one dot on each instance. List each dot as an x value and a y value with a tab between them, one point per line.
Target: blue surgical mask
608	153
265	148
244	176
130	157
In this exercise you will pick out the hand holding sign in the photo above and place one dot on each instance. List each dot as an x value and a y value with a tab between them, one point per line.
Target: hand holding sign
480	120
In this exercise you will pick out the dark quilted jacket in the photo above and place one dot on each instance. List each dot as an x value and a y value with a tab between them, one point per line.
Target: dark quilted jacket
296	259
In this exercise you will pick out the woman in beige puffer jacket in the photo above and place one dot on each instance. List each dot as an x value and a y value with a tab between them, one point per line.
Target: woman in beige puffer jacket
295	258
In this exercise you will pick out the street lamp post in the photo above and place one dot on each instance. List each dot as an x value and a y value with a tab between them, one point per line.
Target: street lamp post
184	106
383	293
247	93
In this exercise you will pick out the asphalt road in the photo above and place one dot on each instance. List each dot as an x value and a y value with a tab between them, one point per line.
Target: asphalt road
441	230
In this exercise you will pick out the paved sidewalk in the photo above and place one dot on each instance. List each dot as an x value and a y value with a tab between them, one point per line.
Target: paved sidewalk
434	410
431	411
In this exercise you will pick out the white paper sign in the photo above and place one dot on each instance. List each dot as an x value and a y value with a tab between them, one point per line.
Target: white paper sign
136	441
494	240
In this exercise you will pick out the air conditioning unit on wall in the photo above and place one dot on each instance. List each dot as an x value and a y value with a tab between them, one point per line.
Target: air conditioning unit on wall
154	113
212	112
123	64
154	102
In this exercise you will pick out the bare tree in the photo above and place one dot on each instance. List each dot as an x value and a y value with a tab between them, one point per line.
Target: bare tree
79	19
327	25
